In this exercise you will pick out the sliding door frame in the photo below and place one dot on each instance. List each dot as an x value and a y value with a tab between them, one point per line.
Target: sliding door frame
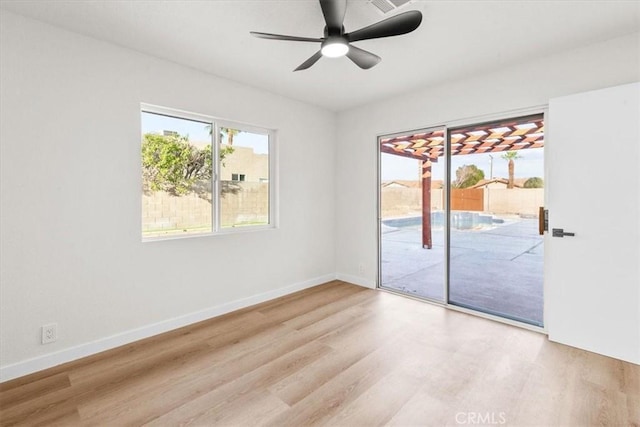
379	214
451	124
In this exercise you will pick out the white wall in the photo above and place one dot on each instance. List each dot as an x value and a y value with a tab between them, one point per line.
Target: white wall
522	86
70	132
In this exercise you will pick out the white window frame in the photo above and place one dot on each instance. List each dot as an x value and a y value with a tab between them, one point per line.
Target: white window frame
217	123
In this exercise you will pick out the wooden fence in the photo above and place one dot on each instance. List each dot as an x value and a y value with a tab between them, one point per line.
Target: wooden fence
403	202
467	199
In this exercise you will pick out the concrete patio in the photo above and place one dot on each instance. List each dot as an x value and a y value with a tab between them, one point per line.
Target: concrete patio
496	269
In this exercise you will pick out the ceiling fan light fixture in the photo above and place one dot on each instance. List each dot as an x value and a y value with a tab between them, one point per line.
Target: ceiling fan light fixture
334	48
337	43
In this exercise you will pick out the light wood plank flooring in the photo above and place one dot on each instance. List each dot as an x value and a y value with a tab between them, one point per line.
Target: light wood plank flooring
336	354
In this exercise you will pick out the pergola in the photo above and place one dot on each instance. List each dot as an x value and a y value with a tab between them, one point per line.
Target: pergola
506	135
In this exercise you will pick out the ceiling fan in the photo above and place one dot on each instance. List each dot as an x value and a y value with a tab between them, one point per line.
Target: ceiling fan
336	42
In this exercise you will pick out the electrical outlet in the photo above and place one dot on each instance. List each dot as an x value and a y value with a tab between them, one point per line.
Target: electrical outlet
361	268
49	333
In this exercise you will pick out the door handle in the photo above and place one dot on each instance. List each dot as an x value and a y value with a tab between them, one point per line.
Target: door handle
559	232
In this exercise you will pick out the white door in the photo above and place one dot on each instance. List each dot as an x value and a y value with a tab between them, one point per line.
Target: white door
592	279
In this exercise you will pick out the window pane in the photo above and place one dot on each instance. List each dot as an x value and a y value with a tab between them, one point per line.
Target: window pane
176	176
497	255
496	252
412	233
244	178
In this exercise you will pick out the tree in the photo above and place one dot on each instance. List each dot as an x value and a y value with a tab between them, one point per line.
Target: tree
534	182
467	175
231	133
511	156
171	163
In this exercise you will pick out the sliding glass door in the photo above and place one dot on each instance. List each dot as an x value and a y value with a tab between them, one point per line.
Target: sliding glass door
459	216
412	232
497	188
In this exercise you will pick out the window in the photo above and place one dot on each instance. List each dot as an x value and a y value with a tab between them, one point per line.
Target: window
187	184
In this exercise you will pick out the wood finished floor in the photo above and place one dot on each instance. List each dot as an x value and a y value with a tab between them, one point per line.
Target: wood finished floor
336	354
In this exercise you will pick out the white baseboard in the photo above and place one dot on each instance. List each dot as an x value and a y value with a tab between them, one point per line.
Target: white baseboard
360	281
39	363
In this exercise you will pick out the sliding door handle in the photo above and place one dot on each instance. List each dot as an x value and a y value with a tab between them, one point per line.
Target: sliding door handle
543	220
559	232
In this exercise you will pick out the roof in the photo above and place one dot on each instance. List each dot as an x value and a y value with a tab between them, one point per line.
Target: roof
403	183
517	182
435	184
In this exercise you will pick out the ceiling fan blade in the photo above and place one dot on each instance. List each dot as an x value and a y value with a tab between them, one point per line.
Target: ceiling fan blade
396	25
309	62
282	37
333	11
362	58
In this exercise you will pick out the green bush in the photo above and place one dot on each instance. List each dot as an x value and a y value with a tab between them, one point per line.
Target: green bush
534	182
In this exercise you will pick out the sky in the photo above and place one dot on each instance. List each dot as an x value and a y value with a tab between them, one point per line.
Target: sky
198	132
529	165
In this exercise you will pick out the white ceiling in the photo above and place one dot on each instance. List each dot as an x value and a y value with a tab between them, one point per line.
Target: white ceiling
456	39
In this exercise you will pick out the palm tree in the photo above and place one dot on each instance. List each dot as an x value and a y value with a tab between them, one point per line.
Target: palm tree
511	156
230	133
